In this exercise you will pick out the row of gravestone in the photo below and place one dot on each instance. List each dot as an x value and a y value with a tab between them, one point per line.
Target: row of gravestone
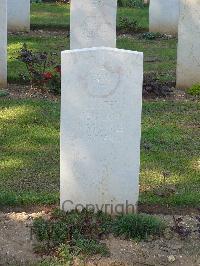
101	102
164	17
182	16
101	107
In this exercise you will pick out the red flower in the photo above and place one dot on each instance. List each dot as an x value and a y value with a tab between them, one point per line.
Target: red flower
47	75
58	68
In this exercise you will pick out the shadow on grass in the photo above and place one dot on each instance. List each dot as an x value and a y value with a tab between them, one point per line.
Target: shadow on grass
29	146
170	145
29	158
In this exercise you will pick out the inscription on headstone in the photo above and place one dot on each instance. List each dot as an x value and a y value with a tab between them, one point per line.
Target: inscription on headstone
93	23
101	128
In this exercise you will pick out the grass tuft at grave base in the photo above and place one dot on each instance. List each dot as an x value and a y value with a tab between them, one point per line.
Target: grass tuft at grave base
84	230
29	153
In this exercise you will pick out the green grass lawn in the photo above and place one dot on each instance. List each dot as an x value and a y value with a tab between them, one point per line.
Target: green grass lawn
160	55
52	15
36	44
29	129
29	158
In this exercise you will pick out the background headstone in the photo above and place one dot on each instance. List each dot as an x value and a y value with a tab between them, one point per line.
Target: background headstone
188	62
93	23
164	16
3	43
100	127
18	15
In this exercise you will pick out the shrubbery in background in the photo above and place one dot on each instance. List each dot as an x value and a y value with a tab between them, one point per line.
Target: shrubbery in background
127	25
131	3
194	90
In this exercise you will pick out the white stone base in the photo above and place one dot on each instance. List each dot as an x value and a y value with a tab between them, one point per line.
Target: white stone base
100	129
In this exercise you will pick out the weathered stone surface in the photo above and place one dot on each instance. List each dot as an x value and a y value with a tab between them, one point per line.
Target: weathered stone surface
164	16
93	23
100	128
18	15
188	62
3	43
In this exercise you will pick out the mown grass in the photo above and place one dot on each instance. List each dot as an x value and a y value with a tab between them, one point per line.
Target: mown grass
170	143
29	130
57	16
29	158
160	55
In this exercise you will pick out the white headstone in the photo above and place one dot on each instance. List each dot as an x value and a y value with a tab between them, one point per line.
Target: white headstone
93	23
18	15
101	128
188	62
164	16
3	43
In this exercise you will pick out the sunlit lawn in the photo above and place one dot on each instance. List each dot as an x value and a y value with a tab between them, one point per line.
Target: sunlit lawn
160	55
29	129
55	15
29	158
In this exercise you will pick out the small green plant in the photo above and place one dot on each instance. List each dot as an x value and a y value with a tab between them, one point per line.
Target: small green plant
90	246
64	254
150	35
194	90
128	25
43	71
81	231
62	257
137	226
51	232
131	3
153	36
70	234
3	93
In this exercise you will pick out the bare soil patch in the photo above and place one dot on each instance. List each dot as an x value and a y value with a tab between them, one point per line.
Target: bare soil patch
41	33
15	239
16	244
150	92
16	91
